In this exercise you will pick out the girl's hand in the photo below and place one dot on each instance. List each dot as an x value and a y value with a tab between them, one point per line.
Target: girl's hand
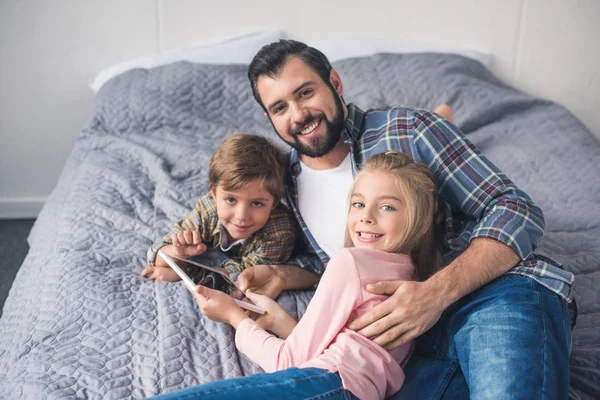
275	319
218	306
188	244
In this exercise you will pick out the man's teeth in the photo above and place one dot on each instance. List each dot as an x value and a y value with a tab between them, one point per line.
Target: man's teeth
368	235
310	128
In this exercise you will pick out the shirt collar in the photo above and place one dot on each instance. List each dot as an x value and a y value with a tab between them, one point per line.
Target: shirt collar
350	133
222	240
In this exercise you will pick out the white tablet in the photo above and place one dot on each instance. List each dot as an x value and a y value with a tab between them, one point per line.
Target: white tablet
172	261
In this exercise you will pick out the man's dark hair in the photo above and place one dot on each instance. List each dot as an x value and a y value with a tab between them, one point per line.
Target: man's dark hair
270	59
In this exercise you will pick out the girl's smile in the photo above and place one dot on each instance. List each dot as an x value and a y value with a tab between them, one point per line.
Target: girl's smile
377	216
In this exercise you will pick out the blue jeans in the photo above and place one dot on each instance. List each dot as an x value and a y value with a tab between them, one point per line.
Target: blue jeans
510	339
289	384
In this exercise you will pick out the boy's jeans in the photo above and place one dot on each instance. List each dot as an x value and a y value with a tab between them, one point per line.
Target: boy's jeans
510	339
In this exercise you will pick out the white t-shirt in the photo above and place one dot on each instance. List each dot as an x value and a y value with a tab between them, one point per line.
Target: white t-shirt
323	203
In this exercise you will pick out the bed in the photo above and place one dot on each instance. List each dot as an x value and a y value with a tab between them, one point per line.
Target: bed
80	322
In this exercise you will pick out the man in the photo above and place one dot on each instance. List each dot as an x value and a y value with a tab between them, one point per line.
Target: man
494	322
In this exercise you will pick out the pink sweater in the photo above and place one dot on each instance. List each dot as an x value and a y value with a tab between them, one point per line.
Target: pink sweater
321	340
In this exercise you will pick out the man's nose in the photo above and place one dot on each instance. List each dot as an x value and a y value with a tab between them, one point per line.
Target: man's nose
299	113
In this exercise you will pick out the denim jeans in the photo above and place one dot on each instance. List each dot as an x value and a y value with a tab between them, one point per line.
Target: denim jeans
289	384
510	339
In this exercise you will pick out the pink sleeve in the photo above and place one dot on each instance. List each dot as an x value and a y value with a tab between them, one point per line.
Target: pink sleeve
337	295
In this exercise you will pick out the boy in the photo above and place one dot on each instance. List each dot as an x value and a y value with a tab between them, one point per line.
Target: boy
241	215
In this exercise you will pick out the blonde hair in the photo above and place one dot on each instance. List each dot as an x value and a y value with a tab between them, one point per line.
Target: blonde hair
242	158
423	235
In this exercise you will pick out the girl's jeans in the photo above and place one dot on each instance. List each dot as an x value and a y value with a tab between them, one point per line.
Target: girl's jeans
289	384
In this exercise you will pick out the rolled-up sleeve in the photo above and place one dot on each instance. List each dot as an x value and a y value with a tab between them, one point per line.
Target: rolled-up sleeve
471	183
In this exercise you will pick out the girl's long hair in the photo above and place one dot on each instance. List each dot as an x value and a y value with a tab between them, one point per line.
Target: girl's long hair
423	235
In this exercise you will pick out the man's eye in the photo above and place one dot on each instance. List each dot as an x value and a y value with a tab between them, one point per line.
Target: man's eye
257	204
278	109
358	204
306	93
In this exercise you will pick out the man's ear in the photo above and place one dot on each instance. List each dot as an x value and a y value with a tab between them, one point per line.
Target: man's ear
336	81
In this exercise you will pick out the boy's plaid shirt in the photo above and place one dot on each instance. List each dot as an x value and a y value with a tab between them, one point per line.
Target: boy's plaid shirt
480	201
272	244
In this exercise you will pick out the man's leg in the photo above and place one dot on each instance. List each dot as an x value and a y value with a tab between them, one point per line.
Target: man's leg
513	340
292	383
509	339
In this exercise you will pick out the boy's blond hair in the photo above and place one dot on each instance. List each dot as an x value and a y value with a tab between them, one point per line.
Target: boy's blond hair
242	158
423	235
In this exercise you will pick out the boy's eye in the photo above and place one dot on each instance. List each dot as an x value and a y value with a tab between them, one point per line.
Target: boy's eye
358	204
229	200
388	208
257	204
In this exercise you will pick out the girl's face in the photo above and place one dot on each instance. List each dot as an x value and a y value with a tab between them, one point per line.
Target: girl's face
377	216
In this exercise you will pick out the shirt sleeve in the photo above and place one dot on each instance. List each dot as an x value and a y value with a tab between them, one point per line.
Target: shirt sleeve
334	301
471	183
199	219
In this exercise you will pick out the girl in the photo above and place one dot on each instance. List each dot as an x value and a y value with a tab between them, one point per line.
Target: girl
393	232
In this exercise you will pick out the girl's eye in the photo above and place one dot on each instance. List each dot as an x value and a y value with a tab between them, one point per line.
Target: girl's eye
388	208
358	204
257	204
229	200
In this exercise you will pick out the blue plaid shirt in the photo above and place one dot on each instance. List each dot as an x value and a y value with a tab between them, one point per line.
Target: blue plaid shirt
480	201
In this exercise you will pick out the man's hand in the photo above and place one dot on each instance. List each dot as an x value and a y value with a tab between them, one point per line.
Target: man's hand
271	280
411	310
261	279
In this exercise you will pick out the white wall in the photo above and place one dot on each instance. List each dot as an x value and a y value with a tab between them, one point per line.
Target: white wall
49	50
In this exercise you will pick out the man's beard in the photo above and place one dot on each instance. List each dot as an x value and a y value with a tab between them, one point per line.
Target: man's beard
322	145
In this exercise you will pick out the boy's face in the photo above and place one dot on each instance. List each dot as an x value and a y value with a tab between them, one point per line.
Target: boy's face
244	211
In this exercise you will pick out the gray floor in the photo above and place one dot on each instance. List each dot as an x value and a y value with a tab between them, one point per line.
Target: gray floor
13	249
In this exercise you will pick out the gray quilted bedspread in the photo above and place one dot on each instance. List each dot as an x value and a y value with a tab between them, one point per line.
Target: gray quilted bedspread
80	322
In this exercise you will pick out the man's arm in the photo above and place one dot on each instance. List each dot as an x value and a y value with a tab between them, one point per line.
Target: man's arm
414	307
271	280
509	226
465	274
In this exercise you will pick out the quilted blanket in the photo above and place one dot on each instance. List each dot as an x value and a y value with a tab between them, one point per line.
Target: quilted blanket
80	322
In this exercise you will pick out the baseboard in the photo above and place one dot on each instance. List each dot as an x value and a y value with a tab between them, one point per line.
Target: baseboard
21	207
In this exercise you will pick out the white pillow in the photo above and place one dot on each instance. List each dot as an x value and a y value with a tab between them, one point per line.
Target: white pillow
235	50
241	50
341	49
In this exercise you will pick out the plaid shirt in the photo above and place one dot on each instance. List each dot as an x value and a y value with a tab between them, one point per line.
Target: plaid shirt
480	201
272	244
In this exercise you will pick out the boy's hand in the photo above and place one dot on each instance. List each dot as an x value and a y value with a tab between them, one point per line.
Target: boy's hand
218	306
188	244
160	274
